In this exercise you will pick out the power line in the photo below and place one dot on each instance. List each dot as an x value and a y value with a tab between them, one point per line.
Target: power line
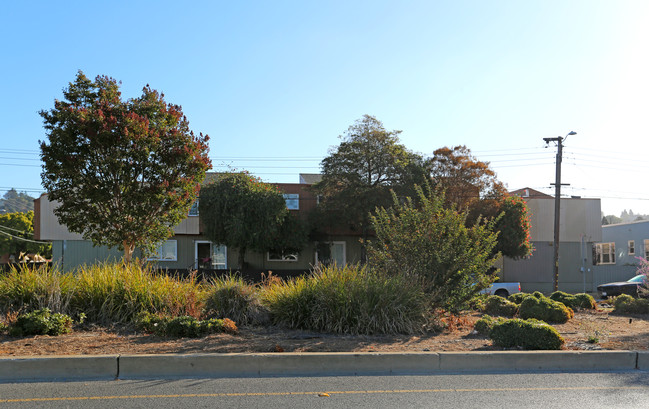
23	239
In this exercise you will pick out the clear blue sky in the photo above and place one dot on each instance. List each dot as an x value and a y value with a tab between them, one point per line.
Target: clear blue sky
275	83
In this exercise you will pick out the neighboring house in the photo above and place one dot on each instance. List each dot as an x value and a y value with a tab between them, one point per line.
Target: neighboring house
580	227
189	249
616	256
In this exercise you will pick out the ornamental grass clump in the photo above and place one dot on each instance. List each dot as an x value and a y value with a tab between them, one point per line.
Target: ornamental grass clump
116	293
347	300
496	305
31	288
527	334
544	309
582	300
231	297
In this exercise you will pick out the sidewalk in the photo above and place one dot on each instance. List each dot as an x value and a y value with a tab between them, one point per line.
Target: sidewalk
109	367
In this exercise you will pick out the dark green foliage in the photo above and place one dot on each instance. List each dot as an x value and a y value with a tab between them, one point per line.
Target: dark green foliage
358	175
183	326
41	322
425	242
231	297
348	300
240	211
544	309
581	300
519	297
496	305
625	304
486	323
124	172
538	294
527	334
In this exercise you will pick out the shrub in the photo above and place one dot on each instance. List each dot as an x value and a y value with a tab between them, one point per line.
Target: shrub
527	334
430	244
486	323
581	300
183	326
349	300
544	309
625	304
231	297
496	305
41	322
518	297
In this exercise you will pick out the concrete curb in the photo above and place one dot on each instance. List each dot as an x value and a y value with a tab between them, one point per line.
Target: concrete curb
109	367
76	367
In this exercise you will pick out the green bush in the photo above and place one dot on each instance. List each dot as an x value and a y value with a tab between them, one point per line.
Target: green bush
41	322
486	323
625	304
527	334
496	305
31	288
518	298
348	300
183	326
544	309
426	242
231	297
581	300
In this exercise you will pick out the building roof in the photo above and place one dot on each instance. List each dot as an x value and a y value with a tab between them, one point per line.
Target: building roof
531	193
310	178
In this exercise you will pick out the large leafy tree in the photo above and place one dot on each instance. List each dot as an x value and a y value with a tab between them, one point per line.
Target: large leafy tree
17	235
124	171
472	186
358	175
424	240
240	211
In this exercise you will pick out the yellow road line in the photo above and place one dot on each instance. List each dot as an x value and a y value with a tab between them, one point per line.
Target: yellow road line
244	394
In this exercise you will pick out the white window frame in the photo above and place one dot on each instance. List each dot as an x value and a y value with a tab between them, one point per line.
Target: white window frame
156	255
192	212
292	201
212	247
289	257
332	243
646	249
610	247
631	247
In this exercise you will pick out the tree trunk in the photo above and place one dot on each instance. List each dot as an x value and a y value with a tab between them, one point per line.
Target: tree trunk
129	248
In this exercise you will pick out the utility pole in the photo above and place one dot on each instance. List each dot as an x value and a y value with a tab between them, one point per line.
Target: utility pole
557	205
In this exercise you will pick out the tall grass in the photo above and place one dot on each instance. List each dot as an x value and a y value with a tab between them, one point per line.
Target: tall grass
349	300
106	293
115	293
30	288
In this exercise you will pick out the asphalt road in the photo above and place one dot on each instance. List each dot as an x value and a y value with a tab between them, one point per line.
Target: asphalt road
519	390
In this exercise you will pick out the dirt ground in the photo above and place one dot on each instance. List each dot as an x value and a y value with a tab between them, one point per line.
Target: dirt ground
613	332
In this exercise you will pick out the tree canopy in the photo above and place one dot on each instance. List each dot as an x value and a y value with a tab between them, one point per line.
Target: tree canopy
17	235
358	174
240	211
123	171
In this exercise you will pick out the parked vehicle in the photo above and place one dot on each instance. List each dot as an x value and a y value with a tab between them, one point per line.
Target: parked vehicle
502	289
632	287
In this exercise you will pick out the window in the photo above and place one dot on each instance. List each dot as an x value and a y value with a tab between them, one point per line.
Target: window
167	251
631	247
331	253
281	256
292	201
193	211
605	253
646	249
210	256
